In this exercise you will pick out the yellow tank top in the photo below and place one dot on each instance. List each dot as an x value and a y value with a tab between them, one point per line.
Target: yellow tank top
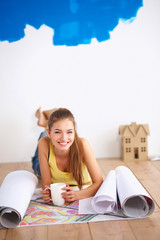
65	177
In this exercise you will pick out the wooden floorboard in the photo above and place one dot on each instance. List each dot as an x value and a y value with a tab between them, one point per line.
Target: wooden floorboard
111	230
148	228
147	172
26	233
69	231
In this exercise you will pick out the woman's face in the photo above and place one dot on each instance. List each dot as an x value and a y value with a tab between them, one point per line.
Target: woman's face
62	134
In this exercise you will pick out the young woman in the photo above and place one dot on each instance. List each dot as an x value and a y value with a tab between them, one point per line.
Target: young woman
64	157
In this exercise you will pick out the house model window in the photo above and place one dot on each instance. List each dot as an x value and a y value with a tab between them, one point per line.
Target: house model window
143	149
143	140
134	141
128	150
128	140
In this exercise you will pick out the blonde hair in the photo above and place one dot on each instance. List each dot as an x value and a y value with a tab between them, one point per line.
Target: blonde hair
75	154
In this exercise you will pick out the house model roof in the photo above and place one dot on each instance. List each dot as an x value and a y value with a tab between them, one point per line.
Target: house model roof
133	129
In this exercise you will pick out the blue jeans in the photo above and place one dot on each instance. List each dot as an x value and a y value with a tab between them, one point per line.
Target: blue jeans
35	160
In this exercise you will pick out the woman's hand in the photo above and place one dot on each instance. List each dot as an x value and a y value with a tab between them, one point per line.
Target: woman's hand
69	195
46	194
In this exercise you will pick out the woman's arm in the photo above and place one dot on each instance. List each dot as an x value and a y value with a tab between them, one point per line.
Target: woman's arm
94	171
43	149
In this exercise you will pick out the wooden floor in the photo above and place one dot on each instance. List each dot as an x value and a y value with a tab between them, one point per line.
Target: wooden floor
147	172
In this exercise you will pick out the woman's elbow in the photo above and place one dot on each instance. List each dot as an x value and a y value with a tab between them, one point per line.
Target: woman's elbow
98	182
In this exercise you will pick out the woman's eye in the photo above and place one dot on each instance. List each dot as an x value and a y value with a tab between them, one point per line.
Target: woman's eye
70	132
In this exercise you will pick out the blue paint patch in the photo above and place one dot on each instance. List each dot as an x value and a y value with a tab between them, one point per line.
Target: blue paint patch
74	21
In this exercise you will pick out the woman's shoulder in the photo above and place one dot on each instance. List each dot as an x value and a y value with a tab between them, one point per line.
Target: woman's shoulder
84	142
87	152
44	142
43	149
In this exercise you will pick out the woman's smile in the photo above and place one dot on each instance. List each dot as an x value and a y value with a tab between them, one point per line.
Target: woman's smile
63	144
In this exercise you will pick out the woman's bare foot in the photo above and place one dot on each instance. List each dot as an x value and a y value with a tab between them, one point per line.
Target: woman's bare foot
42	120
47	113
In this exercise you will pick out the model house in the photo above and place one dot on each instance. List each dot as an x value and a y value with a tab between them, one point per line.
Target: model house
134	141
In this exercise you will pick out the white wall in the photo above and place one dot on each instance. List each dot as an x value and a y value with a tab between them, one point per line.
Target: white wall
104	84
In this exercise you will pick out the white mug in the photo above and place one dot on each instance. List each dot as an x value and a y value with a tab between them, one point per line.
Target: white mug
56	190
